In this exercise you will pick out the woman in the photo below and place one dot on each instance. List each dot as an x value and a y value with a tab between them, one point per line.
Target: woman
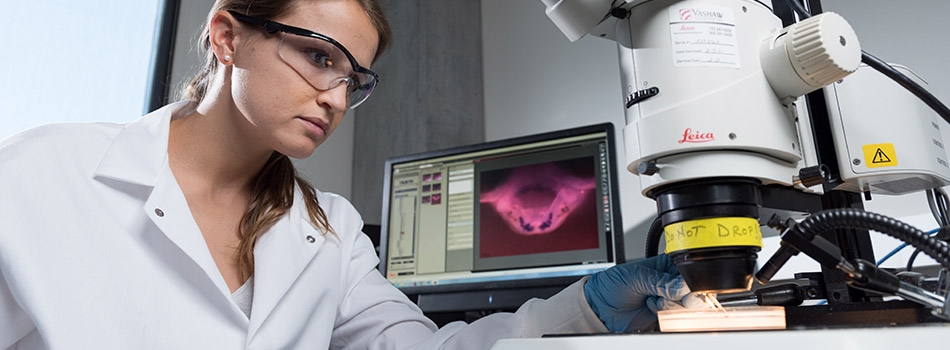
188	228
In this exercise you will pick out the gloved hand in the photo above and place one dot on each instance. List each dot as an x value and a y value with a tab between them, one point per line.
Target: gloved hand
626	297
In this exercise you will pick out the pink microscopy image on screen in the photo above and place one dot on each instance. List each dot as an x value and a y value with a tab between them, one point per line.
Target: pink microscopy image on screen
538	208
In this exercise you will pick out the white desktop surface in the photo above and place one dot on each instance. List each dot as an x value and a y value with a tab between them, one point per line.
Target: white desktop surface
930	336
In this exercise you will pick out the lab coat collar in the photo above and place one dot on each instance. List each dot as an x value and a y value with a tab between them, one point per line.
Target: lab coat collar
140	150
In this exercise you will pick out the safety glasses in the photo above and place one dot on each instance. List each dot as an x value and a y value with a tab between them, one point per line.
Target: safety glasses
320	60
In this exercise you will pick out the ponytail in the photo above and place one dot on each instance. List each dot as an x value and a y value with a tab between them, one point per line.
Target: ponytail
273	197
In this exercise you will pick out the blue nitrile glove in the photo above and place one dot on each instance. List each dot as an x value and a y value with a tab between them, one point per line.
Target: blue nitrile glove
626	297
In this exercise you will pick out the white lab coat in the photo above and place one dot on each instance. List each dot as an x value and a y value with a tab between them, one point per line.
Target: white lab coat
98	250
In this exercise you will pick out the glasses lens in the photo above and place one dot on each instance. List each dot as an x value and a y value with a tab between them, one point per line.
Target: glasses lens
362	87
325	66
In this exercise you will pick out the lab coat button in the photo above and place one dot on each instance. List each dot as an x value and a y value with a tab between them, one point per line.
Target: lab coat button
311	239
159	212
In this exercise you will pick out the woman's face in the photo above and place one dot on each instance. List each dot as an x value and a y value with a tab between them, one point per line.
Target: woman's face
286	112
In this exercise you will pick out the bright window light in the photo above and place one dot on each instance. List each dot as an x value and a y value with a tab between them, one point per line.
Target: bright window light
74	61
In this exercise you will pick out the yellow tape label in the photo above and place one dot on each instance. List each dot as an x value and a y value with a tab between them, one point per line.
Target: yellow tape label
879	155
713	232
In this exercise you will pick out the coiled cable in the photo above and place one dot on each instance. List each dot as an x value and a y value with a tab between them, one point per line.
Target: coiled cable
833	219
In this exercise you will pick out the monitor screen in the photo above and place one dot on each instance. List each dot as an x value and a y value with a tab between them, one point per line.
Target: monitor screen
539	210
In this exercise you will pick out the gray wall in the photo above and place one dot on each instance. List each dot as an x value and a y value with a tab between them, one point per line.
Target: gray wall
430	92
536	80
187	59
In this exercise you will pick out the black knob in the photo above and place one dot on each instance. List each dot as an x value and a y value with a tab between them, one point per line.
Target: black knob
622	13
647	168
814	175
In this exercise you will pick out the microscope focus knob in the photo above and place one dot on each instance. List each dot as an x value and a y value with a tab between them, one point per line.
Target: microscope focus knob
810	54
823	49
647	168
814	175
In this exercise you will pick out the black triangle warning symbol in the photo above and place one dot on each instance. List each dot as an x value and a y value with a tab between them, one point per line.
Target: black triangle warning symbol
880	157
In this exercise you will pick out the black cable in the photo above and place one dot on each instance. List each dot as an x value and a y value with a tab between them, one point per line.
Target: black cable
910	261
942	207
851	218
798	8
932	203
943	203
943	234
906	83
653	237
889	72
939	214
939	203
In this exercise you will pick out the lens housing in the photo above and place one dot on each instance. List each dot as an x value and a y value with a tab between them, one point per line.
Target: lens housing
712	232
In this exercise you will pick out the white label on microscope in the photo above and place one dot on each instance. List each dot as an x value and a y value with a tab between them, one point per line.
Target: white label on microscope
703	36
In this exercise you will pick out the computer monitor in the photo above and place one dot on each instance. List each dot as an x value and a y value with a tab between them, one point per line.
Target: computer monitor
490	225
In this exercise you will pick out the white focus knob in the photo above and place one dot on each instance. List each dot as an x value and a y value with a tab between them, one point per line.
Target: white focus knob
576	18
823	49
811	54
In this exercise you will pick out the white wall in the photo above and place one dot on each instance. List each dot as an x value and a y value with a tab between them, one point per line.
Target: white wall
536	80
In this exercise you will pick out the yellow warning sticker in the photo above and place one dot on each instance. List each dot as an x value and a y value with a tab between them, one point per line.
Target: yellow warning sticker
713	232
879	155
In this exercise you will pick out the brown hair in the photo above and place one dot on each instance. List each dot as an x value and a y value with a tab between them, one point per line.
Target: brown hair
274	187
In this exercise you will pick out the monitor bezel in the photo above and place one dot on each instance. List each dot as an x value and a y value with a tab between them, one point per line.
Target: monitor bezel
615	240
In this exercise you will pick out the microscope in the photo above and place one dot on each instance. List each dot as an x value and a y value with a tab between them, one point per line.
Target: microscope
742	114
